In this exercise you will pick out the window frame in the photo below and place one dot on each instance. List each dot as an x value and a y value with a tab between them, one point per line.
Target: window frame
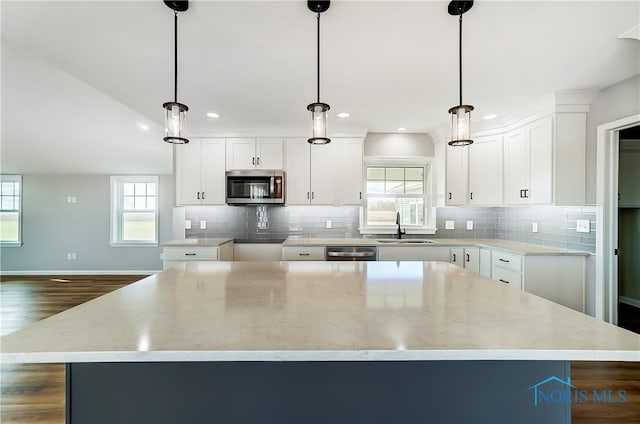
14	178
428	201
117	210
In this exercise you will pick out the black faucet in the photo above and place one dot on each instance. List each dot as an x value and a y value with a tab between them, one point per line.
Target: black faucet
400	232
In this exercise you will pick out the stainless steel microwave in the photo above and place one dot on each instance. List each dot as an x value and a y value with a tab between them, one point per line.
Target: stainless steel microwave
255	187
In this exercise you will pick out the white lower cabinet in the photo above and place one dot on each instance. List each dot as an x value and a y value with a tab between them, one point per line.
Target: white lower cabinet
295	253
175	255
466	257
411	253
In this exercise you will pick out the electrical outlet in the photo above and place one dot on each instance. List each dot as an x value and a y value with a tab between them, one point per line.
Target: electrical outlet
203	225
469	225
582	226
187	224
68	256
534	227
68	199
73	256
449	225
73	199
329	223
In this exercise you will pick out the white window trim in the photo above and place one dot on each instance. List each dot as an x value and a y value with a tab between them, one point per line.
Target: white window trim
19	243
116	209
429	226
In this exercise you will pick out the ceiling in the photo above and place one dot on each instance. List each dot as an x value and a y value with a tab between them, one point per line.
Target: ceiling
77	77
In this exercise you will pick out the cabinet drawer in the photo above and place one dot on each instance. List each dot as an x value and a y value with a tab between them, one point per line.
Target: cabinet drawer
512	278
190	254
315	253
506	260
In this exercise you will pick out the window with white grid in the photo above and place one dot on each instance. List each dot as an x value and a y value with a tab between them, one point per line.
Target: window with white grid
134	210
10	209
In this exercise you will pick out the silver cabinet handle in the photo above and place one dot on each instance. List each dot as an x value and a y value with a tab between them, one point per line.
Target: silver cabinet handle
472	195
313	195
360	195
253	161
258	161
454	257
503	260
449	195
307	195
503	281
304	254
190	254
203	195
198	195
468	258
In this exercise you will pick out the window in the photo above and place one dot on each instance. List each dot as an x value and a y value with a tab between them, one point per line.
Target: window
10	209
393	187
134	211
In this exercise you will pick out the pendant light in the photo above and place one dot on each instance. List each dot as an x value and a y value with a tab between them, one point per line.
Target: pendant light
319	111
175	112
461	114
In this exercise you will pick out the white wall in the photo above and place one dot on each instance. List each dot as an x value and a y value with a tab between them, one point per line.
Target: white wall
612	103
51	227
398	144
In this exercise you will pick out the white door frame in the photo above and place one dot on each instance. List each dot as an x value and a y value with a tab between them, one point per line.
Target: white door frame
606	284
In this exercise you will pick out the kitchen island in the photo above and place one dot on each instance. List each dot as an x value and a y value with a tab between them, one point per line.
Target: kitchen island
316	342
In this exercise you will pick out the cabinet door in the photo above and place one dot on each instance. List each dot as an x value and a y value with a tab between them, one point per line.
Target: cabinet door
456	175
351	167
188	173
516	167
457	256
485	263
485	171
472	259
241	153
541	162
269	153
323	172
297	168
213	178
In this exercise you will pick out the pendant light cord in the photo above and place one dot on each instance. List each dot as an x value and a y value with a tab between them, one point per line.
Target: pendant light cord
175	56
318	48
460	58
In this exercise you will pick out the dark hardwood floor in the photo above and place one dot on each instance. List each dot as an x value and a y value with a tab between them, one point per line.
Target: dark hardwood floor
34	393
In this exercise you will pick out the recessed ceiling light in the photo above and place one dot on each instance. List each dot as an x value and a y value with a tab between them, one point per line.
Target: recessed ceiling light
490	116
402	129
142	126
212	115
343	115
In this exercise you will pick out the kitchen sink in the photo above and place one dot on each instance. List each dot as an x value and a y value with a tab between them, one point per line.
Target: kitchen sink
406	241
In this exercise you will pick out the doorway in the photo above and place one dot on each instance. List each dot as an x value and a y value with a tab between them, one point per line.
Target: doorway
607	290
629	229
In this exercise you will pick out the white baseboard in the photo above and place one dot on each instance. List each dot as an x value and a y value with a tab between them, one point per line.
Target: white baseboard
82	272
629	301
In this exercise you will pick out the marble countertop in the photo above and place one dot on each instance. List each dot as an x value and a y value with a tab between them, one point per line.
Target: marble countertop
506	245
198	242
318	311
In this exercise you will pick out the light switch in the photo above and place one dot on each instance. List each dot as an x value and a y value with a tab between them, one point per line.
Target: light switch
73	199
187	224
469	225
534	227
582	226
203	225
329	223
448	225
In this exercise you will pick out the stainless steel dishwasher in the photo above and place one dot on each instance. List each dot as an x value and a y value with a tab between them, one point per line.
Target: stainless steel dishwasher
351	253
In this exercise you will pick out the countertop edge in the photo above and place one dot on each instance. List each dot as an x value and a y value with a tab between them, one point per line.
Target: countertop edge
213	242
463	242
323	355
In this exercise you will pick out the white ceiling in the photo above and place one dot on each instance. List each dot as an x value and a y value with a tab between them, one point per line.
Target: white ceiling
77	76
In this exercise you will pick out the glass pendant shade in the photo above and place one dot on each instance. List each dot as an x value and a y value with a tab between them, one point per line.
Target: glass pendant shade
460	118
319	117
174	122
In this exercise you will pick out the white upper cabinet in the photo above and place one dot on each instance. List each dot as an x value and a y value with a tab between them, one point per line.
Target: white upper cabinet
457	175
544	161
200	172
485	171
316	174
474	173
251	153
